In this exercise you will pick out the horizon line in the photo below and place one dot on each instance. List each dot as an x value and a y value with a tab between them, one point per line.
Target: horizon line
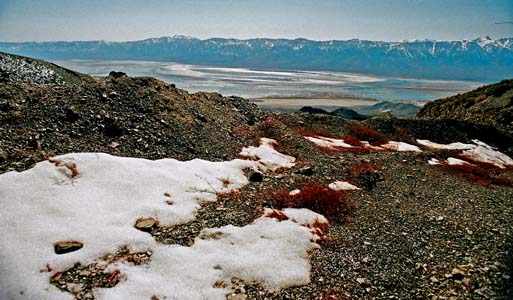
256	38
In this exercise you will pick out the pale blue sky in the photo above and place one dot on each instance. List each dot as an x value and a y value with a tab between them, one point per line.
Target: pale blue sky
119	20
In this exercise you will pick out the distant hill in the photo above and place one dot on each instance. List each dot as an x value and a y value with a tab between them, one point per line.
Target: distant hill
348	113
491	104
14	68
313	110
395	108
480	59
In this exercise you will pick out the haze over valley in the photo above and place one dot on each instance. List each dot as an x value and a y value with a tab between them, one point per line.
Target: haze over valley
273	89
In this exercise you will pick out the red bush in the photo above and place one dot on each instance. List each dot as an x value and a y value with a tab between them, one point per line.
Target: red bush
336	206
501	180
366	174
316	131
482	174
470	172
270	127
365	133
276	214
353	141
359	169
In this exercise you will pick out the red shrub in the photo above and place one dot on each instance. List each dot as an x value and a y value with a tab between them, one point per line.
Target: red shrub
270	127
401	133
366	174
336	206
242	129
353	141
320	229
473	173
483	165
501	180
365	133
276	214
316	131
481	173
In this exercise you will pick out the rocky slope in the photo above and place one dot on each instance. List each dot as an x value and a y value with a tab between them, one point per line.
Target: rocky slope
16	68
141	117
491	104
418	231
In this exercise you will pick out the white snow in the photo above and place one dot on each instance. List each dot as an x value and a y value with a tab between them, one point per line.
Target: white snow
342	186
268	158
457	162
434	162
485	153
268	251
305	217
478	151
400	146
451	146
294	192
331	143
328	142
99	206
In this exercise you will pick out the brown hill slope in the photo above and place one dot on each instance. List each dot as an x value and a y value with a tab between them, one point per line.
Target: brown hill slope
491	104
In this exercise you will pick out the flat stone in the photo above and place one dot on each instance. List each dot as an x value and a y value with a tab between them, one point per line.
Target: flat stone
146	224
67	246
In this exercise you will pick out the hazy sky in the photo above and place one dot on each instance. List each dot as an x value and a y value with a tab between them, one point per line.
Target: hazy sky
389	20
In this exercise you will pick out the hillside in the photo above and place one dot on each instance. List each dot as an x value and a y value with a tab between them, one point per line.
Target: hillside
480	59
120	187
14	68
491	104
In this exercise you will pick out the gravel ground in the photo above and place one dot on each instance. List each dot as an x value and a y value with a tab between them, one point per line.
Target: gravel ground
418	232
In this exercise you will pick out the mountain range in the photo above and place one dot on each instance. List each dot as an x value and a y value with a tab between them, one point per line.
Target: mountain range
482	59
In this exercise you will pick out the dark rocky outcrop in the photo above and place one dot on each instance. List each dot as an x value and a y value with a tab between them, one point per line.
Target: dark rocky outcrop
348	113
121	115
313	110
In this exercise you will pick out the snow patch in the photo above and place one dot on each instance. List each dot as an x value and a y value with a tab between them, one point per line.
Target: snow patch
268	158
434	162
401	147
478	151
326	142
96	198
331	143
451	146
268	251
457	162
342	186
294	192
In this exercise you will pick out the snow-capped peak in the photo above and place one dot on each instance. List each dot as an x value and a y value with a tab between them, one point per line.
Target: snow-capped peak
485	41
